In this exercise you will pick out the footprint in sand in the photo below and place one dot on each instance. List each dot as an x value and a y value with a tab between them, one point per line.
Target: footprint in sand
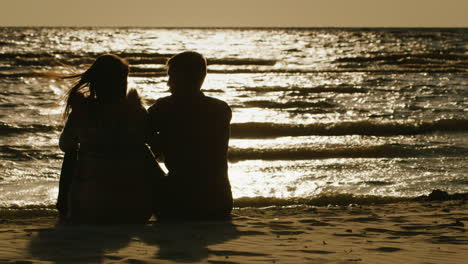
318	251
314	222
386	249
236	253
287	233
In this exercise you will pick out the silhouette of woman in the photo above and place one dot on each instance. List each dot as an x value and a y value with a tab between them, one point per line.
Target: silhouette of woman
113	170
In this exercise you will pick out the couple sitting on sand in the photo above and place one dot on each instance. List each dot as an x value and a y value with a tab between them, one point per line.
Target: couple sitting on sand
109	174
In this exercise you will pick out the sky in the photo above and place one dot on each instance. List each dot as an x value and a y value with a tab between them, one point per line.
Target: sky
235	13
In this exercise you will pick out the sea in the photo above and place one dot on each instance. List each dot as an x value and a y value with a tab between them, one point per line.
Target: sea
352	114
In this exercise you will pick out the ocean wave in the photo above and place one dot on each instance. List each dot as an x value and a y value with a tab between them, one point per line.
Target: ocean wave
21	74
27	153
134	58
428	60
268	130
399	57
6	129
306	90
241	61
148	70
147	60
288	105
343	199
378	151
157	72
343	70
367	127
263	203
72	55
147	74
151	73
401	63
220	61
326	199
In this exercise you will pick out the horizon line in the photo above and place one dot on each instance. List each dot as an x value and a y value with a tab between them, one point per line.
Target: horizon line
248	27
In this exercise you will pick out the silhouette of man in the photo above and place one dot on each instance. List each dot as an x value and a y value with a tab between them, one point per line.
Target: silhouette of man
192	135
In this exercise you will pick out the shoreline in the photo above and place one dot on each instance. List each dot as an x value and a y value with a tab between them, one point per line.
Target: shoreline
412	232
261	202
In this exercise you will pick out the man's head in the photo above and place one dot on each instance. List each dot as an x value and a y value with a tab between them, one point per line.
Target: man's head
187	71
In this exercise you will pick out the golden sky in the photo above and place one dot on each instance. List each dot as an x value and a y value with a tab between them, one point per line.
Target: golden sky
235	13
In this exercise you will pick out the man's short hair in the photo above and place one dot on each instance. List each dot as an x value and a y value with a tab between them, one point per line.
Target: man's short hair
188	69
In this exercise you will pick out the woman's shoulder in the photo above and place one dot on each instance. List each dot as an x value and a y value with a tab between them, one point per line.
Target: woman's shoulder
135	102
80	101
81	105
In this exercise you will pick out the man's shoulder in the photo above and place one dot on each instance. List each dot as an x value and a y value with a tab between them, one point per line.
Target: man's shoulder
169	102
160	103
215	102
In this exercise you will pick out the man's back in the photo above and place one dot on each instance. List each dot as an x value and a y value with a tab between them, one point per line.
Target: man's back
192	133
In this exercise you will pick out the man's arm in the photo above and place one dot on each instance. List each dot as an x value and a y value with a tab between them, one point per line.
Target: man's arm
152	135
227	123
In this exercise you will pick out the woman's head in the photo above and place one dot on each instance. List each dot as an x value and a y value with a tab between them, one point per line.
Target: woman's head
105	81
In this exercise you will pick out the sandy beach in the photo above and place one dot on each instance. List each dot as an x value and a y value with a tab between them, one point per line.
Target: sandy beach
406	232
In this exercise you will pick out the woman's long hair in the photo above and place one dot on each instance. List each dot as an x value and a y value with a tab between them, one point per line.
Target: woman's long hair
105	81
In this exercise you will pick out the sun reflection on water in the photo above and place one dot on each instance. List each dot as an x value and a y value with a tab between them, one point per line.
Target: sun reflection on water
275	76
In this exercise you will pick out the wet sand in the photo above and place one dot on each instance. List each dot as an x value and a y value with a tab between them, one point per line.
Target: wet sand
406	232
